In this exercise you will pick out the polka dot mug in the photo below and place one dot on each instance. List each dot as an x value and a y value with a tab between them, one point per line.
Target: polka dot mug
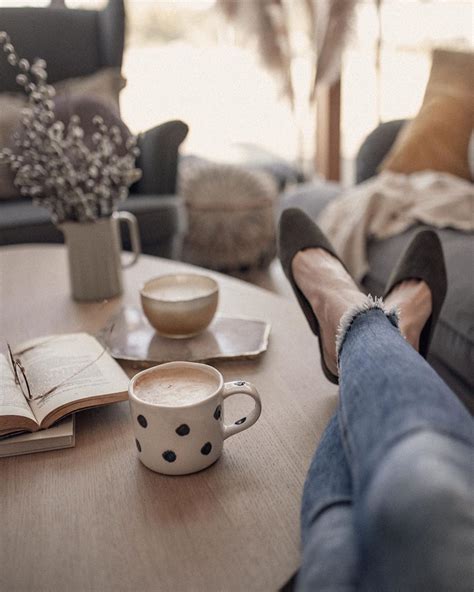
177	413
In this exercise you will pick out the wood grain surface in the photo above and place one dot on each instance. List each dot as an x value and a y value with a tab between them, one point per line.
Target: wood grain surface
93	518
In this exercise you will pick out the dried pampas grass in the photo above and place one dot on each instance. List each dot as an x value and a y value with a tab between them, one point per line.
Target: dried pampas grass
332	21
328	23
265	22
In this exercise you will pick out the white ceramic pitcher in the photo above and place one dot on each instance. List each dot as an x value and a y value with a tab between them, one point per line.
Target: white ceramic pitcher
94	252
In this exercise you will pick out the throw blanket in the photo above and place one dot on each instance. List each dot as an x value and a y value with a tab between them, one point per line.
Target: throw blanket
390	203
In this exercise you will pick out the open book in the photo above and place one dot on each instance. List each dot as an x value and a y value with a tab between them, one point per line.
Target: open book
65	373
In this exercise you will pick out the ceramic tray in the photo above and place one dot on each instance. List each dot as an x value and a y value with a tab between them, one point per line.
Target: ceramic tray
129	336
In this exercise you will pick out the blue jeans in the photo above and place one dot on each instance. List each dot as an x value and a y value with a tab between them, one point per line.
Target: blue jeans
388	501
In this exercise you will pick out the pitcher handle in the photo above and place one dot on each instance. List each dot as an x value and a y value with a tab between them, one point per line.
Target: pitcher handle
132	223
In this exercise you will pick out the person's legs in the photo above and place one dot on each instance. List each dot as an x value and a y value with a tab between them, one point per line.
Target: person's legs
386	391
407	438
415	522
329	556
409	443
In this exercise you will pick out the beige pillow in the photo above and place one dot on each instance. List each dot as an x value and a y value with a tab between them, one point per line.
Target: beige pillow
105	84
438	137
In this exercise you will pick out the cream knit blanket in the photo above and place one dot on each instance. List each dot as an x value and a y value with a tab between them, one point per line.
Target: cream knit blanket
390	203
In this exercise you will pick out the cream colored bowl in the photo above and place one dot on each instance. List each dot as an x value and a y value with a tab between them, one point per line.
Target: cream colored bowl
180	305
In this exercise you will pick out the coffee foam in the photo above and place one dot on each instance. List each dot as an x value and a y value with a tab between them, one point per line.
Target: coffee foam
174	387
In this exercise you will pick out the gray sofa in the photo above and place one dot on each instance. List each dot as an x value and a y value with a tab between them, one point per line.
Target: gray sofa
78	43
452	350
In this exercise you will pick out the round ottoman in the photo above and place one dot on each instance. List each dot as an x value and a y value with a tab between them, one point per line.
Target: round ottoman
231	216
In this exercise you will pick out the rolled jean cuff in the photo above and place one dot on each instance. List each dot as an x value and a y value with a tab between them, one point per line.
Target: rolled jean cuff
347	319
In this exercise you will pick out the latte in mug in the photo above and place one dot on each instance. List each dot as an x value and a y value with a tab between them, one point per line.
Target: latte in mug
176	387
177	413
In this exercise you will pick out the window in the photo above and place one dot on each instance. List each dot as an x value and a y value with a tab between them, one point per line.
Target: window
181	61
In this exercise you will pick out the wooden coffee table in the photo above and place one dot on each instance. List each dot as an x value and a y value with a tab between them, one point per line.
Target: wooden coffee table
93	518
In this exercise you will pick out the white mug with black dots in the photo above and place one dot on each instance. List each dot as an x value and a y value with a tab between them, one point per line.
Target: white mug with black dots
177	412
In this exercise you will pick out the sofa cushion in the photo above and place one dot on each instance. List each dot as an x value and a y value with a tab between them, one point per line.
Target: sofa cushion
437	139
159	219
311	197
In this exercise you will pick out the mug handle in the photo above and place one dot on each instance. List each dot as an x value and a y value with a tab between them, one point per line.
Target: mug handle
132	223
241	387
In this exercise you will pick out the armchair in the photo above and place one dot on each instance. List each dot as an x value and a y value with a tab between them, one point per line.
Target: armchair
78	43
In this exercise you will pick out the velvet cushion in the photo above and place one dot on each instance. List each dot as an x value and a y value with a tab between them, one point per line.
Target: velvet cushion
438	137
104	86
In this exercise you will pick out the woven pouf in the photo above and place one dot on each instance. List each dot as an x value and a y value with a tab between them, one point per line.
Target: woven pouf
231	216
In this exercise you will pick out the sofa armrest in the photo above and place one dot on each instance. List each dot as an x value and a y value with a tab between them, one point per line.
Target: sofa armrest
375	147
158	158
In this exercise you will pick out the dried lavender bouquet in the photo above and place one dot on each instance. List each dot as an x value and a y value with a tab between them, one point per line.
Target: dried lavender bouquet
51	161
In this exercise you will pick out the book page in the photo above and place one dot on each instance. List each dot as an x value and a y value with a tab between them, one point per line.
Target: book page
75	366
12	401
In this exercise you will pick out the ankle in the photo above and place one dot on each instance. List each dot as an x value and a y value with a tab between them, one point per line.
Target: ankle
413	300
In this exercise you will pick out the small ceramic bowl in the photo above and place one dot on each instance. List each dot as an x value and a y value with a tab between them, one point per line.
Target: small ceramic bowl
180	305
